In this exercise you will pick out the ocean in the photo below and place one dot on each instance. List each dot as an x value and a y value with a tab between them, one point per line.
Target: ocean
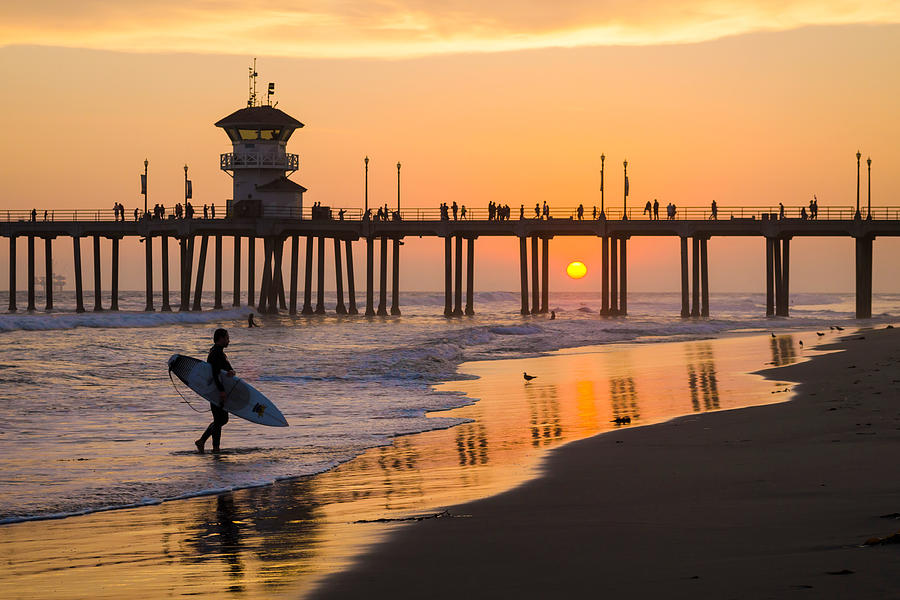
91	420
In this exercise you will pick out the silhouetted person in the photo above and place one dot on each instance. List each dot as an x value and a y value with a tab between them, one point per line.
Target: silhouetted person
135	214
580	212
250	321
648	209
552	315
656	209
715	211
205	212
537	210
462	212
220	364
594	214
814	208
34	214
780	210
212	211
455	208
521	211
803	213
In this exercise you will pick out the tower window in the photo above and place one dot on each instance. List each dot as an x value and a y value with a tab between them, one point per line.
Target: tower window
249	134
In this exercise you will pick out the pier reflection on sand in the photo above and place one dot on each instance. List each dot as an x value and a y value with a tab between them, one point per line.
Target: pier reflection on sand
276	539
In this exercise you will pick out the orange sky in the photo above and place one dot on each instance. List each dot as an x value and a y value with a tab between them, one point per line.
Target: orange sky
750	106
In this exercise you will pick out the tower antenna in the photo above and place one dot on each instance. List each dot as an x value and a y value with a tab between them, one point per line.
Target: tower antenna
253	75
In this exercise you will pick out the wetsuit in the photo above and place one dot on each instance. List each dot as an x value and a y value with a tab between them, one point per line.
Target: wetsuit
219	363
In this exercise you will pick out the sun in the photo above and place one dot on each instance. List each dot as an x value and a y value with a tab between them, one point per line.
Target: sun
576	270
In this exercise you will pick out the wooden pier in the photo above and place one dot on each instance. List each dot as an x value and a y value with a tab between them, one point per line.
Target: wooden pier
694	228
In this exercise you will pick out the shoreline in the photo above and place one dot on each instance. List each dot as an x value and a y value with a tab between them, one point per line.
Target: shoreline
792	518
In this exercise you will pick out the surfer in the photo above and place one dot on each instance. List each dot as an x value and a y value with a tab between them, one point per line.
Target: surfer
219	363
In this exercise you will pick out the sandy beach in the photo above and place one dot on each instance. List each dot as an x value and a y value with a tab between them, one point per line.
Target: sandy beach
757	502
774	501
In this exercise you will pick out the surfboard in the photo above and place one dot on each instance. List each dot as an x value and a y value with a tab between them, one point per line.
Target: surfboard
241	398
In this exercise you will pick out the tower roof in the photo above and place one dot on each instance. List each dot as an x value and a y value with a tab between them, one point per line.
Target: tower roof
259	116
282	184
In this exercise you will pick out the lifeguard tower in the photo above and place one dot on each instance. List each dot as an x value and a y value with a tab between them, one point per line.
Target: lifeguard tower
259	163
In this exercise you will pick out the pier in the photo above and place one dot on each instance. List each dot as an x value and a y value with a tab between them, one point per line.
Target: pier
693	227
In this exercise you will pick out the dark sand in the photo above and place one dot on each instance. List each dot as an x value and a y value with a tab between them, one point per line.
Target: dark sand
773	501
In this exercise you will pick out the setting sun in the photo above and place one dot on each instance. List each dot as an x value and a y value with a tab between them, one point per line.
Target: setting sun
576	270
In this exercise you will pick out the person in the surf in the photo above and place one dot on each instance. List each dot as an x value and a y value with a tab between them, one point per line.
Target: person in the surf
219	363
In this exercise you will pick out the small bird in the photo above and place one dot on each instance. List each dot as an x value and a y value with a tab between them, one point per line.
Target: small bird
773	335
838	327
801	343
621	420
819	334
528	377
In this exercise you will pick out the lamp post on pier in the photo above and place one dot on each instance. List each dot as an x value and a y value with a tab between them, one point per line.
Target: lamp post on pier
185	184
366	210
625	197
858	156
398	189
869	165
602	213
146	184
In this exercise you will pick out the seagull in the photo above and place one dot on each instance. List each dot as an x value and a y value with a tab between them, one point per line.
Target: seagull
838	327
819	334
773	335
621	420
801	343
528	377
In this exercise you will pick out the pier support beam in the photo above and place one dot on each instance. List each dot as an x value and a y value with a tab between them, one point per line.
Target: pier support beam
114	275
770	277
201	269
382	292
295	253
148	271
351	281
535	280
470	277
545	274
614	276
165	273
218	277
320	276
339	307
864	246
48	272
12	271
685	299
79	284
98	305
276	293
457	279
395	278
776	262
370	277
236	276
704	279
623	278
31	306
265	291
604	274
448	276
187	261
251	270
523	272
785	277
307	278
695	268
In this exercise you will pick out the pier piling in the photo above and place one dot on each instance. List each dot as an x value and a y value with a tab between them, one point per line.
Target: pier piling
370	276
339	307
201	269
351	282
695	280
864	247
785	277
251	270
148	272
79	291
114	275
218	277
98	305
614	276
457	278
395	278
470	277
48	272
236	276
770	277
776	261
295	252
265	284
623	278
12	272
523	272
604	275
685	301
320	276
307	278
545	274
448	276
704	279
382	292
164	241
276	293
535	279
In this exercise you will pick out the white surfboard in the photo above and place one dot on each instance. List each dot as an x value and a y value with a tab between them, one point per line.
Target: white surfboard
241	398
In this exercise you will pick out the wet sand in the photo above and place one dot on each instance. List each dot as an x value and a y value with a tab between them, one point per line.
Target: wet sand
774	501
280	540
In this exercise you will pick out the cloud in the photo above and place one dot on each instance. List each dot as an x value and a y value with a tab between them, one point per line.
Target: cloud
400	28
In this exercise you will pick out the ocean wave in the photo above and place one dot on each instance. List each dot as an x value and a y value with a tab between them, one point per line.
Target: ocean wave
112	319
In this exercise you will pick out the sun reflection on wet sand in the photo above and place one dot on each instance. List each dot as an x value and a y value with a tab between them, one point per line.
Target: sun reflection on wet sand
276	539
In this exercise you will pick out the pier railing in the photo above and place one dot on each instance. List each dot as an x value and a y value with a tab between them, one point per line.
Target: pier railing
220	211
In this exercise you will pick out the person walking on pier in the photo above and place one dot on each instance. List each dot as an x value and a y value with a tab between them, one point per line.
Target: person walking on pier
648	209
135	214
462	212
212	211
780	211
714	211
814	208
220	364
546	211
455	208
656	209
537	210
580	212
205	212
